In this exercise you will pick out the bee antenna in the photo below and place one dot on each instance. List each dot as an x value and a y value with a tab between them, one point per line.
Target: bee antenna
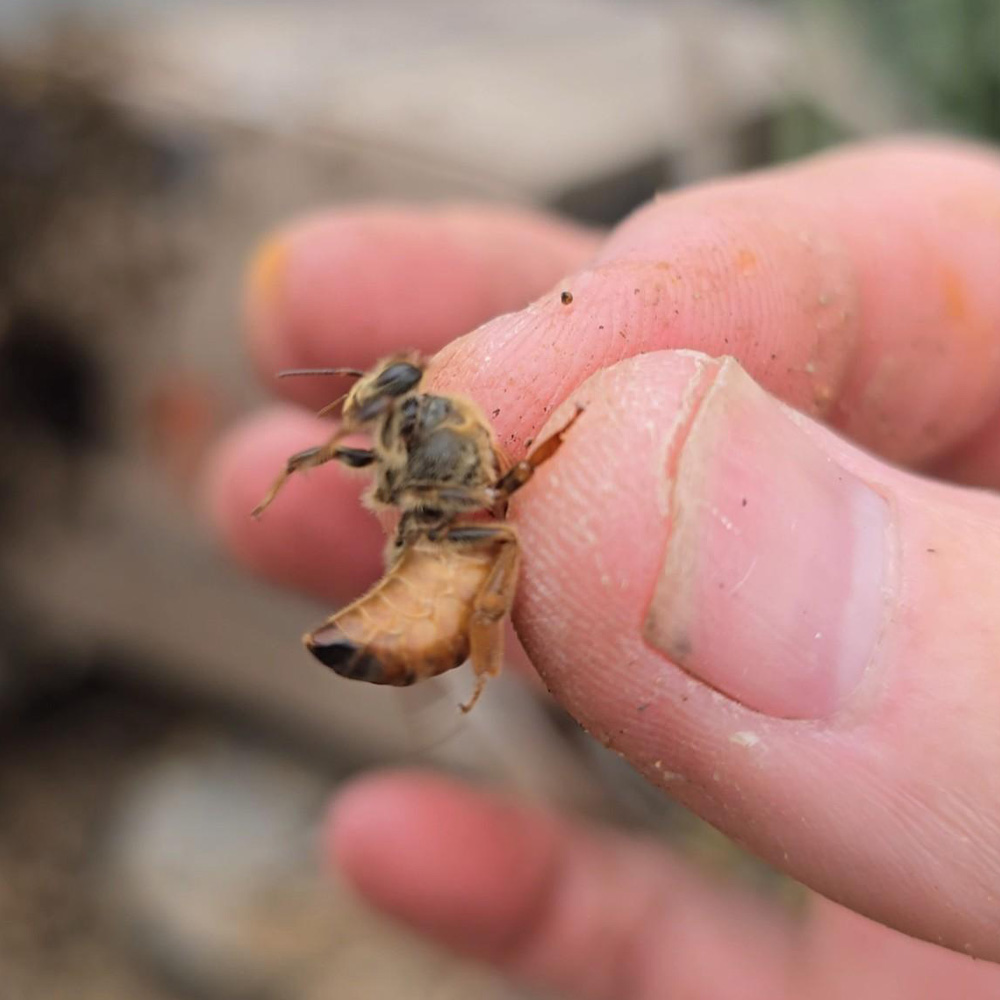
352	372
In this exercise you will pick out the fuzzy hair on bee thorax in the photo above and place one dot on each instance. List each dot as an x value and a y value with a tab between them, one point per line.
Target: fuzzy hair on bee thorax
429	441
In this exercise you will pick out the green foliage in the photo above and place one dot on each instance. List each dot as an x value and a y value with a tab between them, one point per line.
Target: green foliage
942	55
946	50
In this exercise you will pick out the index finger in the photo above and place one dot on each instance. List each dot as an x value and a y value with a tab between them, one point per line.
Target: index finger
861	287
349	287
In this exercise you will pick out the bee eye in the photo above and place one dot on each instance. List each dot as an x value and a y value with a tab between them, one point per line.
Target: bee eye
398	378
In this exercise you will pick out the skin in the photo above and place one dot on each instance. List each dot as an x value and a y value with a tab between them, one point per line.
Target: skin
858	288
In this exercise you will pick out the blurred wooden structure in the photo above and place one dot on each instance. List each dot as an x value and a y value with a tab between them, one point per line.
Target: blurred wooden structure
149	160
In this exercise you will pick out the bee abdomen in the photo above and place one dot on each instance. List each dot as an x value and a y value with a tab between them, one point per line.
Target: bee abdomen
345	658
367	663
412	625
356	662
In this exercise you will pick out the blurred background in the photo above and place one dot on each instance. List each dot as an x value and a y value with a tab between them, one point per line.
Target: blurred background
166	749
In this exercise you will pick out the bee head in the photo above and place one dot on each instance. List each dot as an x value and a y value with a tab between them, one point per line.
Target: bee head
375	393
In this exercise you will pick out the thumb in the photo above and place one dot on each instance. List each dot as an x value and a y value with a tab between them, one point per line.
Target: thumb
791	636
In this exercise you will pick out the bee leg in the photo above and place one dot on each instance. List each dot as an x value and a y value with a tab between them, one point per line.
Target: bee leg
522	471
493	602
356	458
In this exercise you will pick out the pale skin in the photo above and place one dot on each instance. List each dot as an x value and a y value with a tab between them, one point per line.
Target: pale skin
861	289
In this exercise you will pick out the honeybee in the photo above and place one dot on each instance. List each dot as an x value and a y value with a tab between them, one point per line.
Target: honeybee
451	572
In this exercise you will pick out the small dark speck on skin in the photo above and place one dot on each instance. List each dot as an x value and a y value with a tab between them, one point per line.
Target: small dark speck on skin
744	502
566	298
528	442
642	707
496	412
635	291
601	327
774	357
681	649
933	551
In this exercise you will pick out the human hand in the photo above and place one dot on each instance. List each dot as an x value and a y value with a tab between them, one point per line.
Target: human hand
794	637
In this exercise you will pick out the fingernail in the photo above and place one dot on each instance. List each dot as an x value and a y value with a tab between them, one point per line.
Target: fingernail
771	589
265	281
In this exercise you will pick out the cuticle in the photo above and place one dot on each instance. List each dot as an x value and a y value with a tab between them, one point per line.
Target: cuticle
696	395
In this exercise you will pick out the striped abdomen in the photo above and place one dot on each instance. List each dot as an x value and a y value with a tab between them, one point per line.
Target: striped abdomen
413	624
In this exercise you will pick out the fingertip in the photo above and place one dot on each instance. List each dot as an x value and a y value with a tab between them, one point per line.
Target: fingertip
594	523
315	537
235	472
354	285
356	820
459	865
577	910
